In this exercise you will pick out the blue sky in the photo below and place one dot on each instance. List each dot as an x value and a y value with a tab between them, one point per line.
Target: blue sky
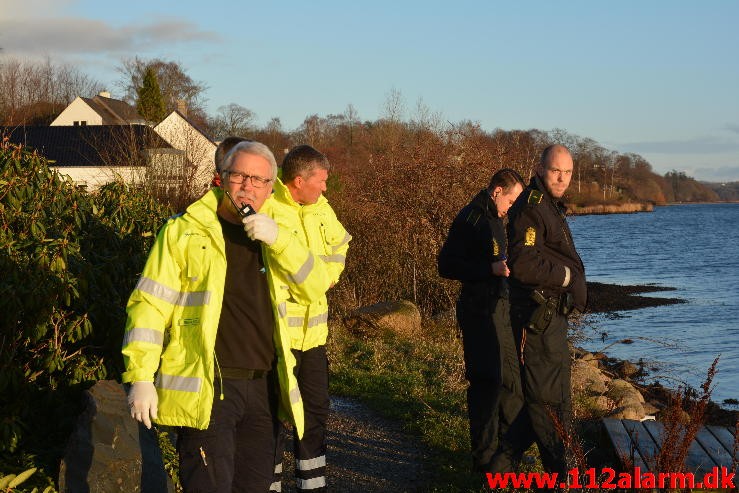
658	78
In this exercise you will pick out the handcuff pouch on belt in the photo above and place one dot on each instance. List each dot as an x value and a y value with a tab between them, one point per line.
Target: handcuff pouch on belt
547	309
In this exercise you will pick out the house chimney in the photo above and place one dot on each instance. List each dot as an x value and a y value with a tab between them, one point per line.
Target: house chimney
104	94
182	106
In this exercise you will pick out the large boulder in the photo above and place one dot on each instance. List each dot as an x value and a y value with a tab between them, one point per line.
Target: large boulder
627	369
399	317
109	451
628	401
588	378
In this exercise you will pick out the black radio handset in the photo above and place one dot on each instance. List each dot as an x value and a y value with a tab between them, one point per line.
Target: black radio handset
244	210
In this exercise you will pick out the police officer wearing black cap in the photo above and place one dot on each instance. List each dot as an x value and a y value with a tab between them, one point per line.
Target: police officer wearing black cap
547	283
475	253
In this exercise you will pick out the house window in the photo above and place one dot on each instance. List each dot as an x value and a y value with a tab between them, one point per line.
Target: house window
76	123
83	122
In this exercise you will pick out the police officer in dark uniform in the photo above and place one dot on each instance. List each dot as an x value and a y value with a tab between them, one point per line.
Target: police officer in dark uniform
547	283
475	253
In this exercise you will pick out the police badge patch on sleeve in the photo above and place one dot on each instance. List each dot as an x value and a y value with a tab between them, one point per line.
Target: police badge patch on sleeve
530	236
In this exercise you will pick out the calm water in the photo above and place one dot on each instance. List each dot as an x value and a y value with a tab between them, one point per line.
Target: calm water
694	248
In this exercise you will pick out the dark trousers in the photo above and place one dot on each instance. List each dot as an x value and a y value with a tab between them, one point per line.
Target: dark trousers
310	452
492	370
236	451
545	418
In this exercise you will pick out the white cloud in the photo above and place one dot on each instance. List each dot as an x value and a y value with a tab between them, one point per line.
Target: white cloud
76	35
27	9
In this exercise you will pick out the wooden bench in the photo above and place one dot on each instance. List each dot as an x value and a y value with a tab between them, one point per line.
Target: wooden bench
639	442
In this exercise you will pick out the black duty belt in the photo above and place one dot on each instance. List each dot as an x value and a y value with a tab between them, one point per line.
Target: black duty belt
243	374
561	304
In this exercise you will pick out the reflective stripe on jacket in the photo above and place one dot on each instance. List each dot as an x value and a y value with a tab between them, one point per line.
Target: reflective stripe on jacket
174	310
318	228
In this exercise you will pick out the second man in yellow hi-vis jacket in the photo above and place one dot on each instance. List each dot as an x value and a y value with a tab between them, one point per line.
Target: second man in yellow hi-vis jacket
206	321
298	201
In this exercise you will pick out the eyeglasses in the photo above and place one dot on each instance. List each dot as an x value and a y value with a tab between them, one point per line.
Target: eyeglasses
239	178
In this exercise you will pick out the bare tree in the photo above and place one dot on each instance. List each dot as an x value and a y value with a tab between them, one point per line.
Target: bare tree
274	137
233	119
426	119
394	106
142	157
352	119
311	131
35	92
175	84
198	166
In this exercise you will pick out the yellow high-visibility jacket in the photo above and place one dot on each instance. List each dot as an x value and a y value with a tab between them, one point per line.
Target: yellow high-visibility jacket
318	228
173	313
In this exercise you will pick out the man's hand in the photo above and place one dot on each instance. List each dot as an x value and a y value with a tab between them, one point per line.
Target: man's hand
261	227
500	268
142	399
579	289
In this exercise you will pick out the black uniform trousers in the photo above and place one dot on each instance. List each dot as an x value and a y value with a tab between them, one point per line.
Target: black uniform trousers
547	411
311	371
236	451
494	394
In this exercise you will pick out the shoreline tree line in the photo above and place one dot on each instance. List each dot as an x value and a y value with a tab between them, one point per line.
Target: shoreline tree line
34	93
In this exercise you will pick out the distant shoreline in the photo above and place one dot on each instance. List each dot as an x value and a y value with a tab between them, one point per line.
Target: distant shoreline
700	203
630	207
623	208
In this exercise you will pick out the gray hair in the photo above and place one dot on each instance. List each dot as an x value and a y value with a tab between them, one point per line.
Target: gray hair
253	148
302	159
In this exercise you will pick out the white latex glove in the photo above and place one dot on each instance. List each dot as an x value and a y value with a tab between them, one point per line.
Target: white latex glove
142	399
260	227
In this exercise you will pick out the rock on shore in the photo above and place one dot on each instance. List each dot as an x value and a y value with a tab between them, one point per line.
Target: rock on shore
604	388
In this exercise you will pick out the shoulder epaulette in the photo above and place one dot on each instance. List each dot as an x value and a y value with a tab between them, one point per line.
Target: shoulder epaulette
473	217
535	197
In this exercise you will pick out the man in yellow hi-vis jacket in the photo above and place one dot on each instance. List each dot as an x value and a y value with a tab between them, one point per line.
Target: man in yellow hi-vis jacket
207	322
298	202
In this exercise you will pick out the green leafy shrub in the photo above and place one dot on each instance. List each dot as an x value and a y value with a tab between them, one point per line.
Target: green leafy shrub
69	261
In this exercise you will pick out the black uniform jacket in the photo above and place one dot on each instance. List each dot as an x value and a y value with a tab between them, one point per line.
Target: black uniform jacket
476	240
540	246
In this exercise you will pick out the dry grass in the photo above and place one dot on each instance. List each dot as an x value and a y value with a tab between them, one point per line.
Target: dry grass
677	432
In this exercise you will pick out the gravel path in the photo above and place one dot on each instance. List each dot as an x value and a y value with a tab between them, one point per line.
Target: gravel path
366	453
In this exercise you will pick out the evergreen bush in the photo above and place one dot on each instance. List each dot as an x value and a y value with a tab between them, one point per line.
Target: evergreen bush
69	259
